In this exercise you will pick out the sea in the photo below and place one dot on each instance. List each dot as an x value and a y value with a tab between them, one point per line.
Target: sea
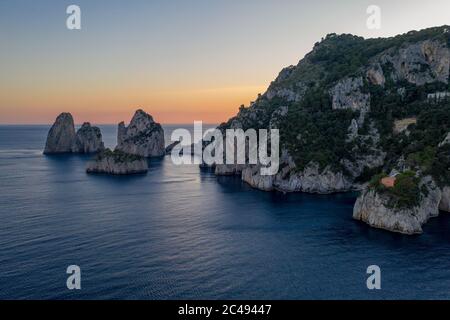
180	232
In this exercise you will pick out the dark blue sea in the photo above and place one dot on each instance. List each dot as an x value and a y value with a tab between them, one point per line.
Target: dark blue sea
183	233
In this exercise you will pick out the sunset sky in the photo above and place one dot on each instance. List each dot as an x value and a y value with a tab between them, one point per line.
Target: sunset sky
179	60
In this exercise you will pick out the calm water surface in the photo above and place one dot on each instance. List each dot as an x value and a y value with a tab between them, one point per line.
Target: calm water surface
182	233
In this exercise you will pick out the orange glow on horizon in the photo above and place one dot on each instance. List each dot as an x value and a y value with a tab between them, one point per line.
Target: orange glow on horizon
210	105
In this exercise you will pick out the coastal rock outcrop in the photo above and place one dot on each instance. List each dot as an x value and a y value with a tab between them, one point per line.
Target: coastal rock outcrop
143	136
347	94
88	139
373	208
445	200
312	179
228	169
117	163
419	63
170	147
63	139
61	136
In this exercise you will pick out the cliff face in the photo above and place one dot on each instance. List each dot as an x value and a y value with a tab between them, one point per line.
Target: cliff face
88	139
353	109
143	137
117	163
61	136
337	107
373	208
419	63
310	180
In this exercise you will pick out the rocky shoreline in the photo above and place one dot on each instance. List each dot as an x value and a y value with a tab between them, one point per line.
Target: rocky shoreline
117	163
142	139
342	126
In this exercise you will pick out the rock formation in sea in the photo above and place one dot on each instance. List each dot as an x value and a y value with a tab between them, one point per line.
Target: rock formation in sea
61	136
143	136
445	201
336	128
88	139
170	147
379	210
352	109
63	139
117	163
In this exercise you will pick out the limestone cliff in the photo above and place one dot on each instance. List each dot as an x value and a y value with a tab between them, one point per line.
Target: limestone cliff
337	109
445	200
63	139
88	139
117	163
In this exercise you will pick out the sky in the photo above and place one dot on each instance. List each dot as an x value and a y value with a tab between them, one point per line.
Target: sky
180	60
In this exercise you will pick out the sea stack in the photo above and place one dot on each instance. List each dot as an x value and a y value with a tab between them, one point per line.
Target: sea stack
88	139
143	137
117	163
61	136
63	139
170	147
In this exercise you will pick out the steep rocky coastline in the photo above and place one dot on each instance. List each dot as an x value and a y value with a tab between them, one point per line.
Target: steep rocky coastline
88	139
63	139
416	59
445	201
373	208
170	147
143	136
117	163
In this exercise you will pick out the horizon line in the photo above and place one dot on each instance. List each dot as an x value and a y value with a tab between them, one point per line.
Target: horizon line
101	124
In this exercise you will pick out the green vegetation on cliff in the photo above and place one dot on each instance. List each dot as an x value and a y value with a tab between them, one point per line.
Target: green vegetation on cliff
333	122
406	192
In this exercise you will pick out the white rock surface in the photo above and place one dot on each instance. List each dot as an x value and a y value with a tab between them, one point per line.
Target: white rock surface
252	176
61	136
117	163
310	180
348	94
445	200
